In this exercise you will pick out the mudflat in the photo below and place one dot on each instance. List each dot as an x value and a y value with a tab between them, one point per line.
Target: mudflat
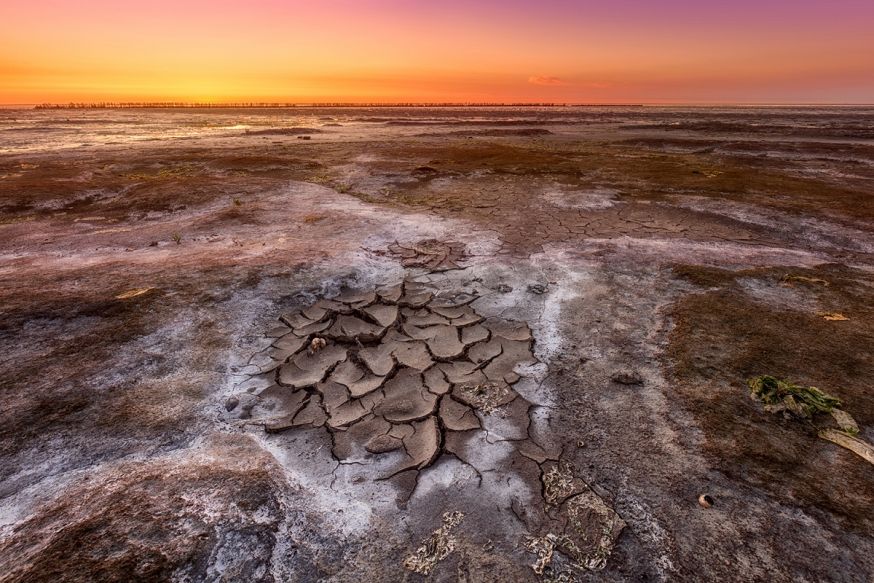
455	344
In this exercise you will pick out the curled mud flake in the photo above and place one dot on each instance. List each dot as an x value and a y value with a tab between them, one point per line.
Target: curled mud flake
365	385
450	313
474	334
352	329
277	332
456	416
444	343
485	351
295	320
391	293
356	379
455	300
406	398
316	313
416	333
415	299
312	328
383	444
383	315
436	547
346	414
413	355
462	372
394	336
401	431
509	329
435	381
346	443
333	395
486	396
291	343
358	299
467	318
347	372
422	318
378	359
333	307
513	353
305	369
312	415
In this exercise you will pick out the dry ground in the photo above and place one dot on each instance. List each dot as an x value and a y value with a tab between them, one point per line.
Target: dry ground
659	259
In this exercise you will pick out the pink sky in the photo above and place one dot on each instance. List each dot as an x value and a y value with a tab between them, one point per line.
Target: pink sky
511	50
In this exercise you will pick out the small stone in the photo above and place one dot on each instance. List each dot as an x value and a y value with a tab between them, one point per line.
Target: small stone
231	403
503	289
317	344
537	288
627	378
705	500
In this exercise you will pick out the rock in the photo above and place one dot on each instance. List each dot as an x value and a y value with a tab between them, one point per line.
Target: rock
537	288
627	378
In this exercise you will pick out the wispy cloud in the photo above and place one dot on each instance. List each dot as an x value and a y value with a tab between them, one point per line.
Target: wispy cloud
546	80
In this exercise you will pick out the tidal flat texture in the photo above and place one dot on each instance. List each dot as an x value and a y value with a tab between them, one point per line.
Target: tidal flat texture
447	344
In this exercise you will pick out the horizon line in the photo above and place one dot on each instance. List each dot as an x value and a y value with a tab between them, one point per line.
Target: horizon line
399	104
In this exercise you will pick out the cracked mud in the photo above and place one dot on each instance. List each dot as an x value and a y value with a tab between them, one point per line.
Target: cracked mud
395	369
230	354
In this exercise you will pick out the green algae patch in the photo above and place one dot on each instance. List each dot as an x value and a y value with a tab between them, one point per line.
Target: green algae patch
781	395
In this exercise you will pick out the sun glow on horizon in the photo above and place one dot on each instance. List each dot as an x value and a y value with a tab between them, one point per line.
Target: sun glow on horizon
626	51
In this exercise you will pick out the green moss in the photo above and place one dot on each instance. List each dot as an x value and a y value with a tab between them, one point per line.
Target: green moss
779	394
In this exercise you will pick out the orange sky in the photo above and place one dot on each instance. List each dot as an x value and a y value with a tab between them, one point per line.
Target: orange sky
391	50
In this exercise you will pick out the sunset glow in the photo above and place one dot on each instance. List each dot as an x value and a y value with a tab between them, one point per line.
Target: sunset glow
676	51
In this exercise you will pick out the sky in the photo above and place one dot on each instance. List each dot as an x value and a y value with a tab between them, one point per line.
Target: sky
612	51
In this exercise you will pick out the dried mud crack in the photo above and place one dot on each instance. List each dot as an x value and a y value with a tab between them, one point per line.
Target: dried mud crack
395	372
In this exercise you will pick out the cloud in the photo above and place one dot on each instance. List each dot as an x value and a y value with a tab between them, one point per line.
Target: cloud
545	80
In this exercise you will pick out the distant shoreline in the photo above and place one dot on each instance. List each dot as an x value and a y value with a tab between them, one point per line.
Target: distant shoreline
351	105
250	105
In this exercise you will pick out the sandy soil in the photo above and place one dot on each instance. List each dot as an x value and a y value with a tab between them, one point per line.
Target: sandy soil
157	422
